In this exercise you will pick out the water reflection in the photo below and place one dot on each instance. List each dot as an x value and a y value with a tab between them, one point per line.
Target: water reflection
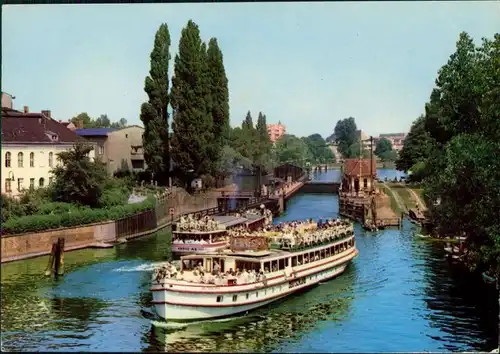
461	307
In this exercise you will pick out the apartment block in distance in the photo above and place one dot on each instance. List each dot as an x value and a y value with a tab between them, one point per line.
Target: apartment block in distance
276	131
30	144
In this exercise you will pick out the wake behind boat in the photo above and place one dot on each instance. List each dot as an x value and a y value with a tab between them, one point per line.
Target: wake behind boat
251	274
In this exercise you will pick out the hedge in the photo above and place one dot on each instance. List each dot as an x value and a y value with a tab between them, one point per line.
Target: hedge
58	215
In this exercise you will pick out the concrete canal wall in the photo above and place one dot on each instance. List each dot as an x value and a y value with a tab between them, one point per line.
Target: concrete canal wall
28	245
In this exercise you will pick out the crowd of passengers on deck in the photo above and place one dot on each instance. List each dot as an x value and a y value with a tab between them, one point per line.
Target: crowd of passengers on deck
197	223
216	277
300	233
195	273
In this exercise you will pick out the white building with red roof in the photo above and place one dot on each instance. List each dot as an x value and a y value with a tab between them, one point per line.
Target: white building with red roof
30	144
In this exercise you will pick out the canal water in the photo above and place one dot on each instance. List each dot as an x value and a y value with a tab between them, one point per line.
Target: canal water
398	295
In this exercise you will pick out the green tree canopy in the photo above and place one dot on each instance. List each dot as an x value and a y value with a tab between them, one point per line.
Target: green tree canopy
154	113
193	139
78	179
319	150
383	145
291	149
454	149
346	134
101	122
417	146
219	91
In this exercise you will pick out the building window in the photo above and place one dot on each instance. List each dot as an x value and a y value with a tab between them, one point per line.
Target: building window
220	298
32	159
20	157
8	185
51	179
32	183
7	159
41	182
365	183
20	182
51	159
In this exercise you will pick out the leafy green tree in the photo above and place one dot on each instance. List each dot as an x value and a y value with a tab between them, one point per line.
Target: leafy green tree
84	119
291	149
78	179
417	146
192	140
455	146
264	144
346	134
389	156
101	122
219	91
154	114
320	151
122	123
383	145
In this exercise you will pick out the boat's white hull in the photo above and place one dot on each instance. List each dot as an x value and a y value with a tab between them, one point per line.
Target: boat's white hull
274	291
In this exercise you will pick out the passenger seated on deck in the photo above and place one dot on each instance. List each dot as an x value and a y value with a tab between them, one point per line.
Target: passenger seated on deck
203	242
266	270
180	275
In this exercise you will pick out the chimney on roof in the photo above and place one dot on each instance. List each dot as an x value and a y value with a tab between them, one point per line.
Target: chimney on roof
26	109
47	113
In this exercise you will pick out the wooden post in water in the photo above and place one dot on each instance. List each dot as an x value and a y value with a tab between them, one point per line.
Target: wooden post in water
59	257
50	265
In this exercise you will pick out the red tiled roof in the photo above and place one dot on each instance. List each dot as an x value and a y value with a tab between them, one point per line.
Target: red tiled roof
33	128
352	167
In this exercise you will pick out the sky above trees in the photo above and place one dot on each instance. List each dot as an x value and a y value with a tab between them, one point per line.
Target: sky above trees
308	65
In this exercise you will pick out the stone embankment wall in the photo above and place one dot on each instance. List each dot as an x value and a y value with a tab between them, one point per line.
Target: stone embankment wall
15	247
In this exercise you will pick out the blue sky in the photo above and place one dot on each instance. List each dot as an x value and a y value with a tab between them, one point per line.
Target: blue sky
306	64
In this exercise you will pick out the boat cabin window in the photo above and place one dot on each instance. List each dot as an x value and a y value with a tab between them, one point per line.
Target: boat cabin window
267	267
281	263
300	259
235	297
294	261
190	264
220	298
274	266
247	265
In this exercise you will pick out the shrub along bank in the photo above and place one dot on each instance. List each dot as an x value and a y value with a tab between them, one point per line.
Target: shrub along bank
57	215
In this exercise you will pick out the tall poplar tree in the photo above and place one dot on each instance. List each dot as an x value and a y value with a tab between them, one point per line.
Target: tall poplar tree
190	100
154	113
219	91
263	140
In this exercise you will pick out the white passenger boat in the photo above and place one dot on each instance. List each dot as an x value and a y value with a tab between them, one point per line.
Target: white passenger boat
210	234
268	274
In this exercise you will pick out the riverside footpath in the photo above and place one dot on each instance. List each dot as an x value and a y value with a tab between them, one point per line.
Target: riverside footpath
399	295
